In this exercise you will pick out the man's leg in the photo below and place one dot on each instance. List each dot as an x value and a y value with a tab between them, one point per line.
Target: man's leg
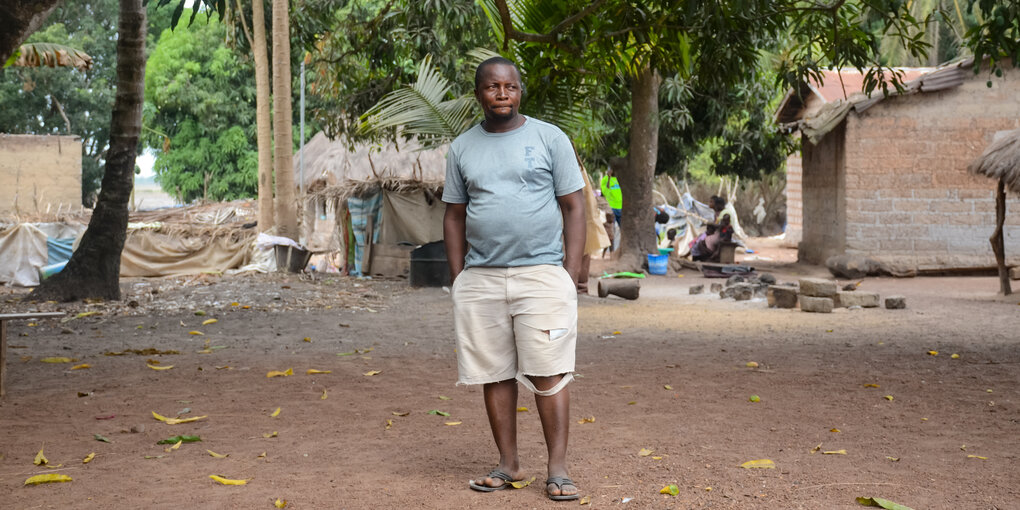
554	411
501	406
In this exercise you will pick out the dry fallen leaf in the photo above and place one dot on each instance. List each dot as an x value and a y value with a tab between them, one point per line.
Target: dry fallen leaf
217	455
197	333
585	500
888	397
40	459
82	366
644	452
520	484
444	397
668	387
589	419
670	489
277	373
871	385
933	353
58	360
955	356
834	430
894	459
280	503
399	413
177	445
370	373
168	367
451	423
209	321
275	413
752	364
312	371
389	423
835	452
227	481
759	464
977	457
176	421
88	458
522	409
38	479
323	397
268	435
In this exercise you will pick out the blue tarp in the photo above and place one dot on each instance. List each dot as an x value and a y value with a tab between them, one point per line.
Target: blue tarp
59	250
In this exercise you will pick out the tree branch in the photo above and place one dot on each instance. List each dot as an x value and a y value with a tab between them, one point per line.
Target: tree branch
509	32
244	25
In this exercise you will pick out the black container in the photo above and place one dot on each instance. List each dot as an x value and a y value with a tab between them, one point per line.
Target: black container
289	258
429	267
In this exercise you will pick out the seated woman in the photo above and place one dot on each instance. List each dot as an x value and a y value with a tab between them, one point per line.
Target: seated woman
706	247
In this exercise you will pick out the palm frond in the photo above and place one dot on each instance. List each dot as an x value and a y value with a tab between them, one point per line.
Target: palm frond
422	109
52	55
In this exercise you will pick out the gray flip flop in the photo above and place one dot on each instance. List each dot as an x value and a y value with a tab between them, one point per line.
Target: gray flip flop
559	482
495	473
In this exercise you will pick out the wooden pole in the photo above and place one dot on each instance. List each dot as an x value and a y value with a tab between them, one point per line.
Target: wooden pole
998	243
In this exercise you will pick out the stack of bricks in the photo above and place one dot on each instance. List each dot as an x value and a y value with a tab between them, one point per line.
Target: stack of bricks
817	295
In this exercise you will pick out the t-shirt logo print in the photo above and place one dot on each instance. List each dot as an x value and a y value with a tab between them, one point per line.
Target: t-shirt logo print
528	158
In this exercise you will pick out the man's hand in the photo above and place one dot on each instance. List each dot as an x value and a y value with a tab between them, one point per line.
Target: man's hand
455	237
572	208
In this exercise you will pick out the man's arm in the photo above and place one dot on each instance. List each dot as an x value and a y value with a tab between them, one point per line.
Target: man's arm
455	237
572	208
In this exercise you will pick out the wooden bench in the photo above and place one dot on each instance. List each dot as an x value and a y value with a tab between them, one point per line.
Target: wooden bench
3	338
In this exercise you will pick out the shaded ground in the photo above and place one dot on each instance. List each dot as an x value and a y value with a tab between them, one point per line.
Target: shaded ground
338	452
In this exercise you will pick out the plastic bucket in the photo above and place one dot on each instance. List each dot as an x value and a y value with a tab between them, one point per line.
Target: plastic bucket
50	270
657	263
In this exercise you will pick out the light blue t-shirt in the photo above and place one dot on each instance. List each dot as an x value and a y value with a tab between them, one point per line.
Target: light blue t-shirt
510	182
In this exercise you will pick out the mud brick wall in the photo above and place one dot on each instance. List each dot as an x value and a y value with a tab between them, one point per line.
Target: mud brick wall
823	188
906	194
794	201
39	173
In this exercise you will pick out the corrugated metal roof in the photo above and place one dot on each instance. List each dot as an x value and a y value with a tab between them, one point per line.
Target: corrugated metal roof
926	80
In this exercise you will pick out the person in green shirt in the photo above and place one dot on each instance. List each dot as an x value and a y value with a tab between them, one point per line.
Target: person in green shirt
611	190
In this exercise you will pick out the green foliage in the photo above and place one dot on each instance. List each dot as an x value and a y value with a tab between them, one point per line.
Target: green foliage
997	36
362	50
33	98
200	114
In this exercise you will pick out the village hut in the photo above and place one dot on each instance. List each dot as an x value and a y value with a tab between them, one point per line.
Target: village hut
387	192
884	179
1001	161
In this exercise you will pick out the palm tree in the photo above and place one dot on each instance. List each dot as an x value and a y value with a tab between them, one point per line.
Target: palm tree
285	207
94	268
257	41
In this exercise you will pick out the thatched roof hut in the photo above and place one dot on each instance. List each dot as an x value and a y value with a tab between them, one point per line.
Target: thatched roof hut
336	170
1001	160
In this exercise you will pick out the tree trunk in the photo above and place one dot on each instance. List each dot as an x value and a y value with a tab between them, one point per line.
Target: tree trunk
637	223
262	118
998	243
94	268
285	207
19	18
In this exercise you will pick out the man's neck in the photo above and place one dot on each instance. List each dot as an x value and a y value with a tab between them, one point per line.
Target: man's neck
502	126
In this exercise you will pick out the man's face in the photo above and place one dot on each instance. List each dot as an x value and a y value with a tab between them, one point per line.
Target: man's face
499	92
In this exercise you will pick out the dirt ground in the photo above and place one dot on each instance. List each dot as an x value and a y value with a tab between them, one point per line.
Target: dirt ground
666	373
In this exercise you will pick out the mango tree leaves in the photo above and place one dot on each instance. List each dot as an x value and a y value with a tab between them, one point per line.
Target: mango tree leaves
277	373
175	421
670	489
759	464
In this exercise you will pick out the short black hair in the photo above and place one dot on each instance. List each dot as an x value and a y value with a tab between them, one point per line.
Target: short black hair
495	61
719	200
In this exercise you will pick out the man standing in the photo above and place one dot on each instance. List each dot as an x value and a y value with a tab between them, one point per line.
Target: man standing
515	230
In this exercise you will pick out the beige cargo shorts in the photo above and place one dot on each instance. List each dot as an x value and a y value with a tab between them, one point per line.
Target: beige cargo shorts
513	322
